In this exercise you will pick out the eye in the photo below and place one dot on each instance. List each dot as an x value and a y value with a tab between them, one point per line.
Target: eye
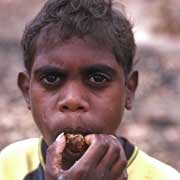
99	78
51	79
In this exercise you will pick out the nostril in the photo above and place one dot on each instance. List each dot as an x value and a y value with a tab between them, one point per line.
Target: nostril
77	108
80	108
65	107
72	106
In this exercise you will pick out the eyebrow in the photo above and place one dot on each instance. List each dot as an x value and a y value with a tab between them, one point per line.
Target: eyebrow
48	69
85	70
100	67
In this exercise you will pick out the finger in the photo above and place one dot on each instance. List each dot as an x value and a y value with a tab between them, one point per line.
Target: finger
95	153
120	166
124	176
54	155
110	158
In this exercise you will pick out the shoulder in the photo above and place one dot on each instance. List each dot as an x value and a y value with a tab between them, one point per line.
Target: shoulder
20	148
19	157
146	167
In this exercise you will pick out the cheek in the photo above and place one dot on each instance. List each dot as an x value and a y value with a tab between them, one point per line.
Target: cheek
40	107
111	107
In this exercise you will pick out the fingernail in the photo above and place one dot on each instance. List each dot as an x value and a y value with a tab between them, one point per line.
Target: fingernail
60	136
114	137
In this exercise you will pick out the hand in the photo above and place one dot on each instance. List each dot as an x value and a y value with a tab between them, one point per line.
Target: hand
104	160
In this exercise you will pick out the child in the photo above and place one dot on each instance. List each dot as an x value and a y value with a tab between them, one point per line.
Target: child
79	79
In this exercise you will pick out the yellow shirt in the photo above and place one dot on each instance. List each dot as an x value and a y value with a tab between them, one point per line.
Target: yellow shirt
23	161
144	167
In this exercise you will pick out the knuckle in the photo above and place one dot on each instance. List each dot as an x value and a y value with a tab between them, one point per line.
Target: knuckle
116	149
116	152
98	137
94	138
123	163
50	173
51	149
80	172
62	176
103	144
124	176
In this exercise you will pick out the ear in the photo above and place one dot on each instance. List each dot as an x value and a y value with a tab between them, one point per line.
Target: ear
131	85
23	82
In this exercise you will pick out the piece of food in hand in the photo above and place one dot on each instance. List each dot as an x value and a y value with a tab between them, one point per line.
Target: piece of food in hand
76	143
75	148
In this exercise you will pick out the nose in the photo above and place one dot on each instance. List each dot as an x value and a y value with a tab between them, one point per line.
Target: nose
73	101
73	104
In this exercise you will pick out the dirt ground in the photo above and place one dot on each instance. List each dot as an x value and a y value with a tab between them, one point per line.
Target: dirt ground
154	122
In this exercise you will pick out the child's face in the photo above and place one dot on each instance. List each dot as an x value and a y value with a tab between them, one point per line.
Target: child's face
75	87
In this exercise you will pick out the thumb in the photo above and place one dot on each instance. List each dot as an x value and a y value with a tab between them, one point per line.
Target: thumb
54	155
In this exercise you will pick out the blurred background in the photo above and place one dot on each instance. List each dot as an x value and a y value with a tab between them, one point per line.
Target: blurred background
154	122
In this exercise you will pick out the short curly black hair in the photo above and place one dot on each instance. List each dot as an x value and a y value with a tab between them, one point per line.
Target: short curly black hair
99	20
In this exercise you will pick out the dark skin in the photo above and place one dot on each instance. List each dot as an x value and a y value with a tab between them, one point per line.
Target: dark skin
79	88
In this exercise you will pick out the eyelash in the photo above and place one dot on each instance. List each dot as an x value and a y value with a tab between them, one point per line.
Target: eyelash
106	78
92	79
58	79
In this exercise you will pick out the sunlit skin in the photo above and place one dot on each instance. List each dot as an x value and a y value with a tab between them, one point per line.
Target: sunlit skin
79	88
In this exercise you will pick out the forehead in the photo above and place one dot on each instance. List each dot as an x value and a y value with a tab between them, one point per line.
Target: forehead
74	51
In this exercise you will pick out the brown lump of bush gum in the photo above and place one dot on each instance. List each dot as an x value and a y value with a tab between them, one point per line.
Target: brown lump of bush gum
76	143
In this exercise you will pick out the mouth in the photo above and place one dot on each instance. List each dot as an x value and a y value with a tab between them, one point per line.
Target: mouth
77	130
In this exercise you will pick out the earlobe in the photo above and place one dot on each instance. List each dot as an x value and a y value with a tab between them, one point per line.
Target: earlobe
23	84
129	103
131	85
